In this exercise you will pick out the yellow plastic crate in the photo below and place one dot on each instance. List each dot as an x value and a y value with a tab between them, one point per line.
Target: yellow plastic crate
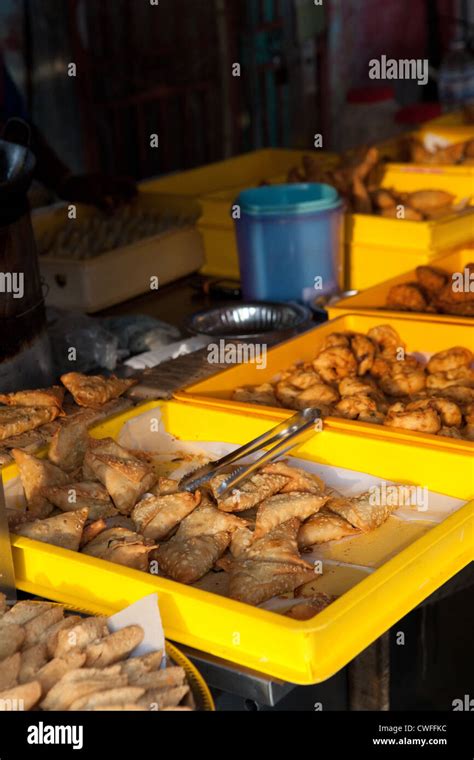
377	248
217	185
216	391
301	652
372	301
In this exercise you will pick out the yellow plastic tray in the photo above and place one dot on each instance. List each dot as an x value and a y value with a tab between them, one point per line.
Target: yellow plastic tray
301	652
216	391
372	301
216	186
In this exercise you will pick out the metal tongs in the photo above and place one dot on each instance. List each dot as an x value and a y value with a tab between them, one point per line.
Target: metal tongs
285	436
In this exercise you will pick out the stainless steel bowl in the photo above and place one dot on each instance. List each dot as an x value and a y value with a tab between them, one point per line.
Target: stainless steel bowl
246	321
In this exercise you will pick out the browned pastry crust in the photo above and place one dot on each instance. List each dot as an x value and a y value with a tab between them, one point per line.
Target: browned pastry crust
15	420
95	390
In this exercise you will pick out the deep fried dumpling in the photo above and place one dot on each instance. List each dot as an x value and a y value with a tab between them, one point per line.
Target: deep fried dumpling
189	559
77	495
63	530
125	477
37	474
281	507
298	479
95	390
270	566
155	516
15	420
324	526
42	397
249	493
69	443
121	546
363	511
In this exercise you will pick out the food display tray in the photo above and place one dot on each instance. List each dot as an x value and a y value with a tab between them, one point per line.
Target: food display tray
217	185
216	391
301	652
372	301
117	275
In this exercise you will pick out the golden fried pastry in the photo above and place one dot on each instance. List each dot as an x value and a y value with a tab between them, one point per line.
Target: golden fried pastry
336	340
358	408
36	475
335	363
282	507
387	341
70	441
440	380
12	636
156	516
9	671
240	542
310	607
364	352
15	420
56	668
28	695
249	493
363	512
425	421
459	393
125	477
74	496
81	635
78	683
449	412
42	397
63	530
404	380
113	647
406	297
270	566
189	559
298	479
165	486
451	359
201	540
353	386
324	526
121	546
428	200
260	394
95	390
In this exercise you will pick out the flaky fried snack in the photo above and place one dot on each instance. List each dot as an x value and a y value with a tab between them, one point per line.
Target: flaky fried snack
94	390
156	516
282	507
15	420
250	493
270	566
63	530
125	477
201	540
121	546
36	475
42	397
73	496
69	443
324	526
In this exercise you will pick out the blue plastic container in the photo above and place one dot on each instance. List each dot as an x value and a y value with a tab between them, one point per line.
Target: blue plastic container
289	239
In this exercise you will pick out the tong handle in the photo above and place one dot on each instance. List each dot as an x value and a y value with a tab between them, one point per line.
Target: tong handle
297	429
270	436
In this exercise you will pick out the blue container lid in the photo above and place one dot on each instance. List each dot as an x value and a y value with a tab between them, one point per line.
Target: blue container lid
299	198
